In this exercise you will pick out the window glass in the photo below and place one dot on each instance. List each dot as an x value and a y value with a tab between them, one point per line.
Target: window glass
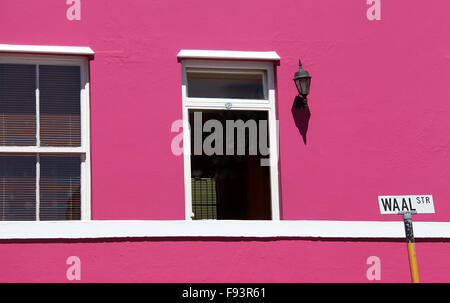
17	105
60	188
17	188
202	84
59	95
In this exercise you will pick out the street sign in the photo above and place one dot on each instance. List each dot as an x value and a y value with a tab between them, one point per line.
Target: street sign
407	206
393	205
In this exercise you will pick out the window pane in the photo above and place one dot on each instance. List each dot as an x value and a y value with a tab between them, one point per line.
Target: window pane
225	85
17	188
232	183
60	123
17	105
60	188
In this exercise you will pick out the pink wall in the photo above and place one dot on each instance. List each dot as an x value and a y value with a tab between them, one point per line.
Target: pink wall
221	261
379	126
379	121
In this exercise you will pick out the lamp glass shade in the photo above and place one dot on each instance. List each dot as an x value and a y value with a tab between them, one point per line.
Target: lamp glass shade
303	85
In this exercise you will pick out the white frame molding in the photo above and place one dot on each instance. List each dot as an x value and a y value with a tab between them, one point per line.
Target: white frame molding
84	150
266	104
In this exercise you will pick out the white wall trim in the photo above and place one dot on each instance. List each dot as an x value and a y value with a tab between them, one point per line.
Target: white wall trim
227	55
47	49
212	228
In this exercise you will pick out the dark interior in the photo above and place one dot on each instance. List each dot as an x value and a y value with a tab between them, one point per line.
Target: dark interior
238	186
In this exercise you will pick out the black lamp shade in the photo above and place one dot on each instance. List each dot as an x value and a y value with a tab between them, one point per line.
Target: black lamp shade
302	80
303	85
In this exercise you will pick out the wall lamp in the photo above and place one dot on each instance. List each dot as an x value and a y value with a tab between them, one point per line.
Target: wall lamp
302	80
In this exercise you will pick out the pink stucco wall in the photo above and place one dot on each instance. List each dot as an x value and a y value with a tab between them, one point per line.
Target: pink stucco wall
221	261
379	125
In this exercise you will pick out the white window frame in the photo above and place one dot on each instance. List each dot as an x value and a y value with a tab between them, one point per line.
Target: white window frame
268	104
84	149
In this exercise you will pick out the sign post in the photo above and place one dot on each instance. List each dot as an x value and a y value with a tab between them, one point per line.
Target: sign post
411	244
408	206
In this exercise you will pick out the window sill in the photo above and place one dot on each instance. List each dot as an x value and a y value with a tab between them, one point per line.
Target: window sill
212	229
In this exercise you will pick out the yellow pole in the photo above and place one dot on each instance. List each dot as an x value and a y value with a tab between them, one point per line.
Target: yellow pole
413	263
414	269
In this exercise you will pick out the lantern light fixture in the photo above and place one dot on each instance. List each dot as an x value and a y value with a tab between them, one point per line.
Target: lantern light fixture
302	81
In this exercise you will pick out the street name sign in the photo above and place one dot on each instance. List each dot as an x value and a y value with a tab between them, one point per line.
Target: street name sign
408	206
393	205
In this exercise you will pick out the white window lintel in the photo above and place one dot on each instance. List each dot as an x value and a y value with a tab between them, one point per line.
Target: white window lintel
228	55
47	49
